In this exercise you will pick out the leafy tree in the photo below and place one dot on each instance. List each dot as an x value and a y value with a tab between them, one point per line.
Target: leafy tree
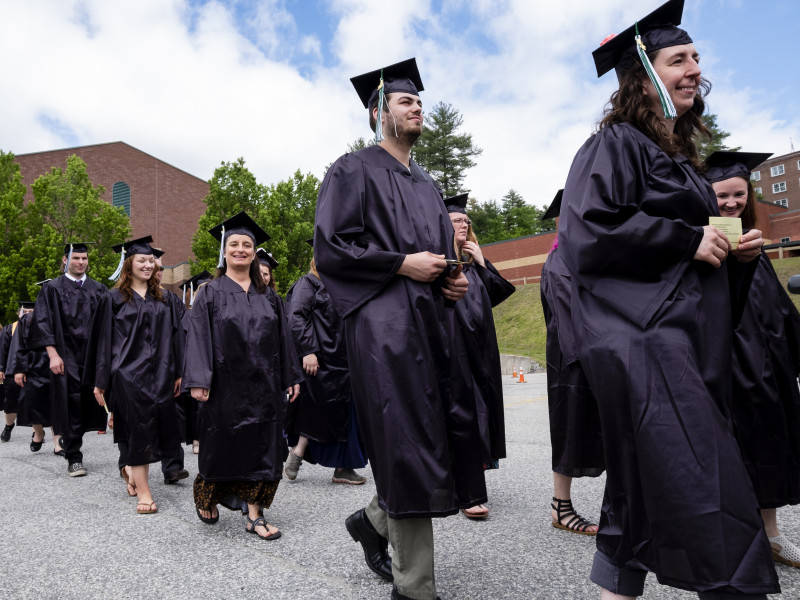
67	207
493	222
487	220
707	146
443	152
360	144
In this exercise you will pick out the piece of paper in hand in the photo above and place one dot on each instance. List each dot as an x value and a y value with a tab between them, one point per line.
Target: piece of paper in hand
730	226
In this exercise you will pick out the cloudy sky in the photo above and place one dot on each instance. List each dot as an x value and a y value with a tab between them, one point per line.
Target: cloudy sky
198	82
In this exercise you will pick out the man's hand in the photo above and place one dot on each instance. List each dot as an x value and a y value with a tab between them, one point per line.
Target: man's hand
200	394
293	392
749	246
176	387
713	248
20	379
99	395
455	285
56	364
310	364
422	266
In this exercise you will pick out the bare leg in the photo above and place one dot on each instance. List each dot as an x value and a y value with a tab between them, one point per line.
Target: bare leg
562	489
253	513
56	440
38	432
300	448
10	418
140	475
606	595
770	517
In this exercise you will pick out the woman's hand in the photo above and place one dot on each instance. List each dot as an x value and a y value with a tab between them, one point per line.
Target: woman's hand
20	379
176	388
293	392
200	394
749	246
713	248
474	251
310	364
99	395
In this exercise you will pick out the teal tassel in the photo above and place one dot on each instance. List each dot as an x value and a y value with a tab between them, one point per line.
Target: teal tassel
381	102
115	275
663	95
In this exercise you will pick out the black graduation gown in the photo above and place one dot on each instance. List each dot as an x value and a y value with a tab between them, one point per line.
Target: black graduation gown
322	410
10	389
138	357
408	373
62	318
241	349
487	289
766	397
575	438
187	406
654	334
34	397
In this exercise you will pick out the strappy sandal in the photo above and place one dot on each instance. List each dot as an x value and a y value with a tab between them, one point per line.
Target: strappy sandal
576	524
123	472
265	525
208	520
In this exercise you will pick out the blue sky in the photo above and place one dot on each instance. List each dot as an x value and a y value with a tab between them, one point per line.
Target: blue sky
197	82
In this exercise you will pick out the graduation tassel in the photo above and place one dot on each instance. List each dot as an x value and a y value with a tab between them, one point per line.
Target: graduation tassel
191	297
220	262
663	95
115	275
69	258
184	294
379	120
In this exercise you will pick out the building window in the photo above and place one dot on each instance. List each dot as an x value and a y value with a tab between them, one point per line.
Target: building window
783	202
776	170
758	192
756	175
786	240
798	165
121	196
779	187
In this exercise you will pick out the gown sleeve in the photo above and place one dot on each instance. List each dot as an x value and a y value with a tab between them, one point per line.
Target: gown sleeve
43	330
496	286
628	259
199	363
299	313
290	364
98	351
354	268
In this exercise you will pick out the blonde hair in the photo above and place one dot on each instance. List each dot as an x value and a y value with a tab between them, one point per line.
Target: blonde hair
471	237
312	268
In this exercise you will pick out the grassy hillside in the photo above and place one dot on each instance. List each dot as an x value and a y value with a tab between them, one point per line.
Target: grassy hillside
520	322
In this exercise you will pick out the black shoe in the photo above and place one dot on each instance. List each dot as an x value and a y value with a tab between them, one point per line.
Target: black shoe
6	435
76	470
171	477
374	544
398	596
60	443
36	446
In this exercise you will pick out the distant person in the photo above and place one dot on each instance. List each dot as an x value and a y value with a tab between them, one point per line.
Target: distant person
10	389
267	265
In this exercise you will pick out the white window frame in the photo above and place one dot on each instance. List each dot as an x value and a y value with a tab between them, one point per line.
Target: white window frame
779	187
798	165
756	175
758	191
782	202
777	170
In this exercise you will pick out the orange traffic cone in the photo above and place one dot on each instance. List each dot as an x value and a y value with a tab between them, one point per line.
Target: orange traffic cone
514	372
521	376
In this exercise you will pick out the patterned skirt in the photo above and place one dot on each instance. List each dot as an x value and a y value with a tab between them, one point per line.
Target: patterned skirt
231	494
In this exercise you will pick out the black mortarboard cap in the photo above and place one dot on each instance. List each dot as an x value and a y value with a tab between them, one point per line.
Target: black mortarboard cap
75	247
240	224
724	164
554	209
457	203
158	253
26	303
266	257
399	77
138	246
658	30
195	280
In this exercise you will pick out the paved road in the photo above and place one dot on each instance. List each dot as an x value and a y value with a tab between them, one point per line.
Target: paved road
80	538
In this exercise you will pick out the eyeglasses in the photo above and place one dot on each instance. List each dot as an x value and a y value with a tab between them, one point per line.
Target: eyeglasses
459	221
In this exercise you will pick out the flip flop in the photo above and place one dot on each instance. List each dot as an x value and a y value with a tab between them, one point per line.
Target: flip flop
265	525
476	516
150	509
124	474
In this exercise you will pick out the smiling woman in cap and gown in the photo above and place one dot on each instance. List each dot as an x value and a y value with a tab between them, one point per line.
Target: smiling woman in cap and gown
487	289
766	363
575	440
137	351
240	364
653	309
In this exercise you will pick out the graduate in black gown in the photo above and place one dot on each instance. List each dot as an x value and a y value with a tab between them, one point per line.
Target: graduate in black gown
267	265
321	424
10	388
239	366
575	440
137	352
62	321
32	374
381	240
487	289
766	363
654	321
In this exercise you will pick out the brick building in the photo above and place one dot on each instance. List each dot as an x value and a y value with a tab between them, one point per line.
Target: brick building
160	199
520	259
777	180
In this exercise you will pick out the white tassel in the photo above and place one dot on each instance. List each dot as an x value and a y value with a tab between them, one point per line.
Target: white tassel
115	275
221	261
191	297
183	298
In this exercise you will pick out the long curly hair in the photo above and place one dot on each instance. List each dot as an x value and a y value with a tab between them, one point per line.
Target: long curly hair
629	105
125	282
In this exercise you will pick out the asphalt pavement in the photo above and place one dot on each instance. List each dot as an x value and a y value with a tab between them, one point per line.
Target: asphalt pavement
76	538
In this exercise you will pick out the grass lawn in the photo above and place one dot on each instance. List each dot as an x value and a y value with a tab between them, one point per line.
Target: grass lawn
520	322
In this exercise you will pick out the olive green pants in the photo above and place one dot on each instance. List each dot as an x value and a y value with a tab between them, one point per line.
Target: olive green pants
412	556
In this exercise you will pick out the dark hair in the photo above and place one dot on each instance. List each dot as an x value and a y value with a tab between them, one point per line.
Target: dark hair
629	105
271	283
255	271
373	122
125	282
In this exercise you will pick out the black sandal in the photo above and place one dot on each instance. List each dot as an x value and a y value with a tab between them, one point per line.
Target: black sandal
577	524
264	524
36	446
208	520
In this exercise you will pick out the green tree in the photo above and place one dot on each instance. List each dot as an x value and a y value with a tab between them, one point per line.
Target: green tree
67	207
487	220
442	151
360	144
707	146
